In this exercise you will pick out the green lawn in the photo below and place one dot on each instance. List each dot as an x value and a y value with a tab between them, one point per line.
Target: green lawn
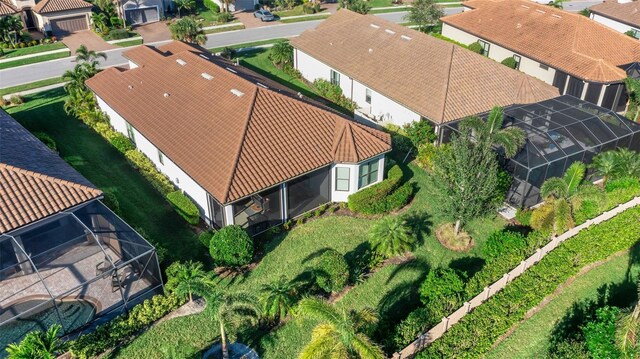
31	85
301	19
130	34
9	53
142	206
129	43
247	44
296	11
33	60
531	338
224	29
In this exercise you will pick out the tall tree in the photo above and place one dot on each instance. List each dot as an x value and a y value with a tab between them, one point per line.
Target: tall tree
38	345
90	59
425	14
99	21
234	311
490	133
188	30
278	298
189	278
340	334
11	28
391	236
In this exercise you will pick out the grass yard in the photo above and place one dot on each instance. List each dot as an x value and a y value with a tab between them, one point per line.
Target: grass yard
308	18
9	53
129	43
224	29
33	60
296	11
384	11
247	44
142	206
31	86
531	337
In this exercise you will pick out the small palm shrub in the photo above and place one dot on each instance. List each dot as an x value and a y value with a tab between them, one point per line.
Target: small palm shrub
278	299
331	271
231	246
392	236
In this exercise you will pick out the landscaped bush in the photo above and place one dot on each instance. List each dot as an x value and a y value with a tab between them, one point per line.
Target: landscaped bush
231	246
149	171
16	100
184	206
442	292
420	132
209	4
123	328
475	47
474	336
205	237
121	142
400	141
503	242
523	216
503	185
622	183
118	34
331	271
47	140
110	200
600	334
382	197
426	152
416	323
510	62
103	129
333	93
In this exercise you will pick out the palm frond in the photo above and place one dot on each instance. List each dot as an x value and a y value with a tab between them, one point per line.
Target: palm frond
365	348
573	176
554	187
325	342
563	218
495	120
318	309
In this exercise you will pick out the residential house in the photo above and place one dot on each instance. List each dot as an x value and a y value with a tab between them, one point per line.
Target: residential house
246	152
239	5
138	12
399	75
60	17
577	55
620	15
65	258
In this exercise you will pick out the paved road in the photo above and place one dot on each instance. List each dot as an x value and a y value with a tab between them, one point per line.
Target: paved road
55	68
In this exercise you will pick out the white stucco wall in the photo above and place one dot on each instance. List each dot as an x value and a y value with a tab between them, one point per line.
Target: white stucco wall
382	107
618	26
498	53
177	176
354	173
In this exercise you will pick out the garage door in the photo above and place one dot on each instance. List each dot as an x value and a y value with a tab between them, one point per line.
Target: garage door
244	5
141	16
68	25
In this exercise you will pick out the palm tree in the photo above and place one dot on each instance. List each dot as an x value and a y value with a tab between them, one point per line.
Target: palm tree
605	164
278	298
340	334
628	163
391	236
99	21
233	312
184	5
79	103
89	59
12	24
39	345
75	78
281	54
491	133
191	278
188	30
628	329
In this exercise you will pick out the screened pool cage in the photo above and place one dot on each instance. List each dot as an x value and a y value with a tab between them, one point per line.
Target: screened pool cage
71	268
559	132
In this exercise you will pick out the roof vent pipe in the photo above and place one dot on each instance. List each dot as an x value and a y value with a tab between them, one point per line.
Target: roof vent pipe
237	92
206	76
166	94
181	62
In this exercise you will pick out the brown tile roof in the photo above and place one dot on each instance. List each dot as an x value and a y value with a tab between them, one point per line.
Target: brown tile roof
233	145
435	78
47	6
34	181
569	42
628	13
7	8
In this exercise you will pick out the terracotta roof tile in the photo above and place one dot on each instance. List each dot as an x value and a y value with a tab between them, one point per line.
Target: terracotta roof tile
7	8
47	6
628	13
577	45
231	144
435	78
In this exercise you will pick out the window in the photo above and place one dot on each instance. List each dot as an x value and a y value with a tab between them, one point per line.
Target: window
160	157
485	47
518	59
544	67
335	78
367	96
342	178
131	134
368	173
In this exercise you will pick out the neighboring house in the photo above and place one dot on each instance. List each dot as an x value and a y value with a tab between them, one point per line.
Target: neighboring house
246	153
65	258
239	5
621	15
399	75
577	55
138	12
60	17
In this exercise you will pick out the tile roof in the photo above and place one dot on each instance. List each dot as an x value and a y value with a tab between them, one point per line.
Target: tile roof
7	8
233	137
47	6
435	78
34	181
569	42
628	13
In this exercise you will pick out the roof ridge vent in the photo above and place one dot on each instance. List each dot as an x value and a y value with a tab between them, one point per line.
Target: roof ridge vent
389	31
237	92
375	26
525	6
405	37
204	57
557	16
206	76
181	62
261	85
232	70
541	11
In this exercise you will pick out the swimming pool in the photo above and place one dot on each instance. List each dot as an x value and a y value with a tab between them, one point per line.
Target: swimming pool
74	314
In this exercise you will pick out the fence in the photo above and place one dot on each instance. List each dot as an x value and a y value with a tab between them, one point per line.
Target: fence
447	322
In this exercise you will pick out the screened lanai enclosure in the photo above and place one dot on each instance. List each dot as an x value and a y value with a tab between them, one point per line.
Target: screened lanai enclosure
559	132
71	268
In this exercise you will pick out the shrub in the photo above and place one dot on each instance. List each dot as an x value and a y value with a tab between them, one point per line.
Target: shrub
118	34
149	171
104	129
475	47
441	292
426	153
205	237
416	323
523	216
622	183
123	328
420	132
382	197
110	200
586	210
504	242
503	185
399	140
116	22
47	140
600	334
510	62
121	142
331	271
308	8
333	93
16	100
224	17
231	246
228	53
184	206
209	4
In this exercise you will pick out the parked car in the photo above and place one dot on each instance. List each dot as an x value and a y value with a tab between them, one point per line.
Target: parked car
264	15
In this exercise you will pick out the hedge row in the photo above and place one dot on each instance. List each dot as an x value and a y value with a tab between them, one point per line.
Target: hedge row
184	206
123	328
474	335
382	197
148	170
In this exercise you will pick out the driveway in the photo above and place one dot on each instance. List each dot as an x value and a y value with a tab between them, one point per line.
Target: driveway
87	38
154	32
249	21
